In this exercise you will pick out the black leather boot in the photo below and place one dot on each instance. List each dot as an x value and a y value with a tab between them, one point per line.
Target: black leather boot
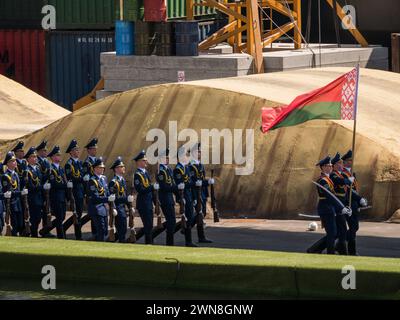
318	247
188	238
170	239
148	239
201	235
352	248
342	248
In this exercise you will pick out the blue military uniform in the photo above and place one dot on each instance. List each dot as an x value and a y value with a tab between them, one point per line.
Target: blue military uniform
34	183
353	220
21	163
117	186
44	167
74	173
98	203
181	175
2	207
87	169
165	179
144	200
58	201
10	182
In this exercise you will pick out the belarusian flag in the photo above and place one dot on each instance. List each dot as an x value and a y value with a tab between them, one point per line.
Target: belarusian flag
336	101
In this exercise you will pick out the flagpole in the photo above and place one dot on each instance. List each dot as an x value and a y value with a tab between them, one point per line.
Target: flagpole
354	130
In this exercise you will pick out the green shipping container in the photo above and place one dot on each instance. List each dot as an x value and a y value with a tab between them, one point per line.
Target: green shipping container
133	10
176	9
20	14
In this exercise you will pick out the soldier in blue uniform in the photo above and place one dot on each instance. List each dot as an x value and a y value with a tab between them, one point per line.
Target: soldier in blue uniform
182	180
58	191
87	172
12	190
327	205
74	174
2	205
44	167
144	201
198	176
34	183
117	186
98	199
356	202
21	162
165	179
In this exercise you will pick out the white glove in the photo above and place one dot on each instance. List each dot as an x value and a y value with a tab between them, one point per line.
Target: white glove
181	186
199	183
211	181
7	195
24	192
184	201
70	185
86	178
363	202
115	212
194	203
47	186
347	211
351	179
156	186
111	198
130	198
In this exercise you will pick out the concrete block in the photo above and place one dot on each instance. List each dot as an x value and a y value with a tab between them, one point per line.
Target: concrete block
100	94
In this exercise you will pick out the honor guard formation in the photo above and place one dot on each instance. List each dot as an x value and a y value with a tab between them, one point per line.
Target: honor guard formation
339	203
36	189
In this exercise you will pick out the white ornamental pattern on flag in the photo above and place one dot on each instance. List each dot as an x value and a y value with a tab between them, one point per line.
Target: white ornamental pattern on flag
349	96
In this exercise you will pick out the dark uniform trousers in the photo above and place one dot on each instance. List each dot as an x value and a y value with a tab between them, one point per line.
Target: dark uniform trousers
74	173
33	182
58	202
117	186
10	182
144	202
44	167
182	175
2	209
87	168
98	206
167	188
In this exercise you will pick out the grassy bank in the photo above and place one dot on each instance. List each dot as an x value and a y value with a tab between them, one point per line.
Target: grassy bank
228	271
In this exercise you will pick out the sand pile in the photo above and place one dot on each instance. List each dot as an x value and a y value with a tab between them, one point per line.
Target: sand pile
23	111
280	186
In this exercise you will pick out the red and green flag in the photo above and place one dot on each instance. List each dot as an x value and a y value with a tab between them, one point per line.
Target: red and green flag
335	101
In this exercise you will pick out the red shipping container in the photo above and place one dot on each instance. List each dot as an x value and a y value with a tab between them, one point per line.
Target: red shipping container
22	58
155	10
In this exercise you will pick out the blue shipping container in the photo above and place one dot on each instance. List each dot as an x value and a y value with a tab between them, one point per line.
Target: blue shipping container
124	38
73	63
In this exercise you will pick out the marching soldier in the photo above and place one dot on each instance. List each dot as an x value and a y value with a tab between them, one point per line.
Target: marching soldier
198	176
87	172
165	179
2	205
144	188
74	174
98	199
340	185
356	202
34	183
12	192
117	186
21	162
57	191
44	167
183	181
327	205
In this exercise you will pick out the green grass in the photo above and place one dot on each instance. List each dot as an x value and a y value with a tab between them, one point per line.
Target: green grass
244	272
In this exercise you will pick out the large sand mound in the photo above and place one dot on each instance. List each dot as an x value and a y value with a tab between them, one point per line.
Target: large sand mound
23	111
280	186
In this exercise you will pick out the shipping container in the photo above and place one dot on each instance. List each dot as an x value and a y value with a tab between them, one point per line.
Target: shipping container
22	58
133	10
176	9
187	38
207	28
73	63
155	10
70	14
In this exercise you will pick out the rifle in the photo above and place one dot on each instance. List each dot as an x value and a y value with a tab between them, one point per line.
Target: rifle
26	215
131	224
111	224
72	205
7	218
47	208
157	210
199	214
182	210
213	200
